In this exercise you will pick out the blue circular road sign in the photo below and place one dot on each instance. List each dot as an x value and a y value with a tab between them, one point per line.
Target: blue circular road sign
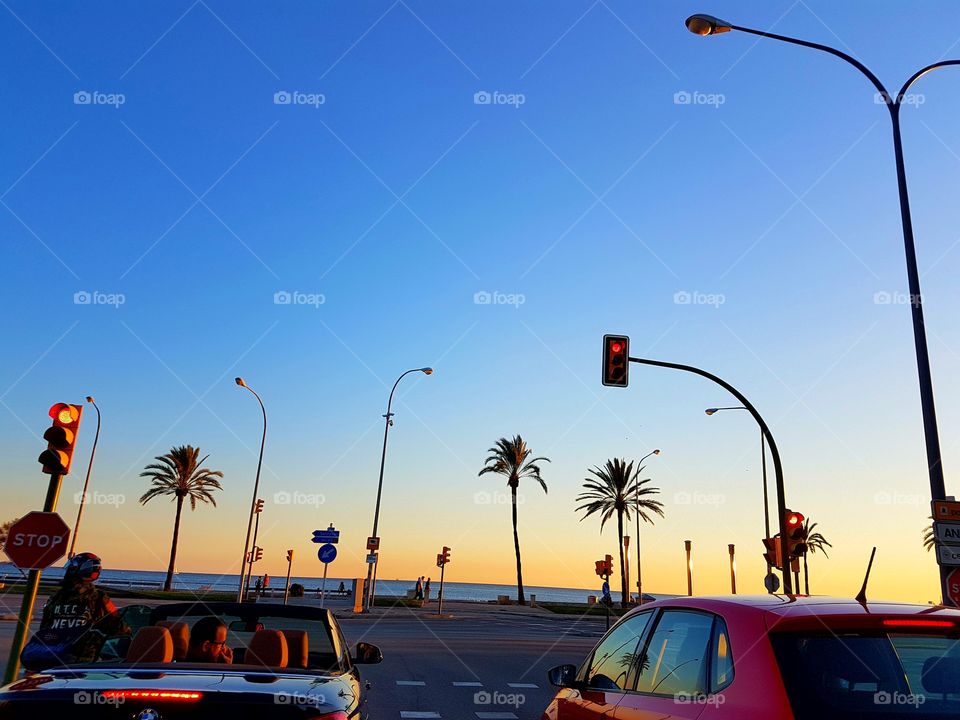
327	553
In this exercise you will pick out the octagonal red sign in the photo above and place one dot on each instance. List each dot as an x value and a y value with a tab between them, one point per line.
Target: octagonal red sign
37	540
953	586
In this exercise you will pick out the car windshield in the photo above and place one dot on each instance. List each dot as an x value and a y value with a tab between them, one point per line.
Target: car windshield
870	674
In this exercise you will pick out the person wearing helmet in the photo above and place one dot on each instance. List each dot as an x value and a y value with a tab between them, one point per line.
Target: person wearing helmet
76	619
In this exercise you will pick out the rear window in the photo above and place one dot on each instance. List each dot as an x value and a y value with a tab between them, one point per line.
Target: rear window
870	674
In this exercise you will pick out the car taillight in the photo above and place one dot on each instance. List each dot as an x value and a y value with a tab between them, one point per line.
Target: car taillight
166	695
909	623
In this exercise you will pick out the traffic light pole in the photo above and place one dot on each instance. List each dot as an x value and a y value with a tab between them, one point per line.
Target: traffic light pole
440	594
30	593
286	587
774	452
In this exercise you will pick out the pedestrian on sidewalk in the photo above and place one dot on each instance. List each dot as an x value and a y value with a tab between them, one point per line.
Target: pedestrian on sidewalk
258	585
426	590
418	590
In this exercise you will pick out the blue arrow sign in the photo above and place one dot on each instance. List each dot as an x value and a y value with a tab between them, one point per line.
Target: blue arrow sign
327	553
326	536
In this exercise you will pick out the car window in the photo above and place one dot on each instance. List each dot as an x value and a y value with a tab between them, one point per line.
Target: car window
870	674
616	655
721	659
674	662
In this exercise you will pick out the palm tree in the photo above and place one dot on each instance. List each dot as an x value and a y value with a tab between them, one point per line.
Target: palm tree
617	488
179	473
815	543
929	541
511	458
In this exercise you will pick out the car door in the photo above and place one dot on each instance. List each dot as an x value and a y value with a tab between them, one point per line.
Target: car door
672	672
606	674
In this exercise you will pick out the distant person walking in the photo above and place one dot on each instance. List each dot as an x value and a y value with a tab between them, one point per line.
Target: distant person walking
266	583
258	585
342	590
418	590
426	590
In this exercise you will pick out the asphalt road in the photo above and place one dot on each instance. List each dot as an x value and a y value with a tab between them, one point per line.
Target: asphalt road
472	668
477	669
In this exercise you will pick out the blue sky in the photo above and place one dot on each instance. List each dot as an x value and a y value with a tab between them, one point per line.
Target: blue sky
588	192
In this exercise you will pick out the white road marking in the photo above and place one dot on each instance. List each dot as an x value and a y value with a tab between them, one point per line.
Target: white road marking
496	716
415	683
418	715
531	686
468	684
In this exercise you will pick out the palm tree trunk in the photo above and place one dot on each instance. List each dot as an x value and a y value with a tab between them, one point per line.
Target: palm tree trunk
521	600
806	576
623	572
168	583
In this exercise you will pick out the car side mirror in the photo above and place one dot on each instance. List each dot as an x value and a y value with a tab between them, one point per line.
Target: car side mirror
368	654
564	676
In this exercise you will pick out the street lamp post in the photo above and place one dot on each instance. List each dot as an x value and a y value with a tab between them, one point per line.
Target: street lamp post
777	466
383	459
86	482
708	25
763	463
256	489
637	498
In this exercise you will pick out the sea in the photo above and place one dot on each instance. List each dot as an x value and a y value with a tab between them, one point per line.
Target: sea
475	592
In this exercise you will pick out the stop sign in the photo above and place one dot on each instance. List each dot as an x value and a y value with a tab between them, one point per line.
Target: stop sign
37	540
953	586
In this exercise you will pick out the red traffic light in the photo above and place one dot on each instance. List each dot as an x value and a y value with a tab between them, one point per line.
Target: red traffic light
61	438
616	360
794	519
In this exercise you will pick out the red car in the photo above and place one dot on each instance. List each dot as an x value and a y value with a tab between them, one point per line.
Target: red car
768	657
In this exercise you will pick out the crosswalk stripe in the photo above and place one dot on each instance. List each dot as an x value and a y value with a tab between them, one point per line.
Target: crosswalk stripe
531	686
468	684
418	715
416	683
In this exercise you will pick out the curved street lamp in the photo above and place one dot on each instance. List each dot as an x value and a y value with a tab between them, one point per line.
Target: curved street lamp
702	24
256	488
383	459
86	482
637	498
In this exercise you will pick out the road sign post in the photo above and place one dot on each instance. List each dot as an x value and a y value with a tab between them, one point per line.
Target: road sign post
286	587
326	554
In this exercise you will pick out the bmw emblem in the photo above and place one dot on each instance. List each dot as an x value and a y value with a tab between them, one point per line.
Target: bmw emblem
148	714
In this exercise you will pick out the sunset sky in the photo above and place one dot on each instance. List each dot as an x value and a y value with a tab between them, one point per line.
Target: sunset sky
587	167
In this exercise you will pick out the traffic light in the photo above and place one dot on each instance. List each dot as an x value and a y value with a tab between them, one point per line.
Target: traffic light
796	534
616	365
289	556
445	555
257	554
258	507
608	565
61	438
773	554
439	560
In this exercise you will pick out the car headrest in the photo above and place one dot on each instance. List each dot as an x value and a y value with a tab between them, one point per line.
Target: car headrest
298	647
939	674
180	632
267	647
152	644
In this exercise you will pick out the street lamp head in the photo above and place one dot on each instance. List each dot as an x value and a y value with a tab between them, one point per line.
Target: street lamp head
657	451
90	399
701	24
240	382
711	411
427	370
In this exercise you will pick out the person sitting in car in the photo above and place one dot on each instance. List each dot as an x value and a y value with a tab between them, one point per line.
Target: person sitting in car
208	642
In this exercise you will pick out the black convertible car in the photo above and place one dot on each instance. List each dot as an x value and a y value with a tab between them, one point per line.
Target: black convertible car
288	662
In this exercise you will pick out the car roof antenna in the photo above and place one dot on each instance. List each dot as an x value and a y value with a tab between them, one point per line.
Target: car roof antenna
862	595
